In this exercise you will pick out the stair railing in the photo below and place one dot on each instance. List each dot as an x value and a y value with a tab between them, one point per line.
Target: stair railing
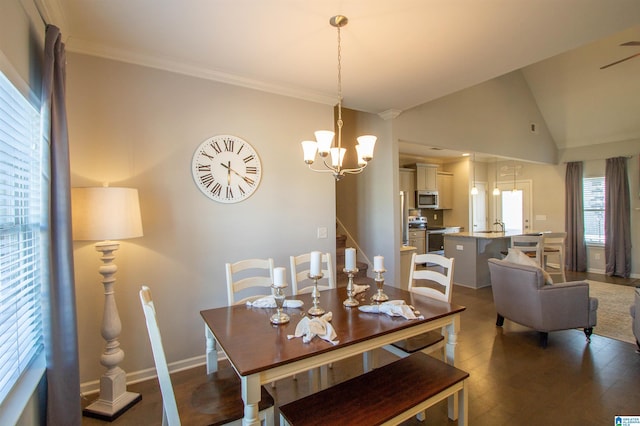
350	240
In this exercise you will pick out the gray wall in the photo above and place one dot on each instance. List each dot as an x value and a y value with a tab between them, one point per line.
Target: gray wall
492	117
138	127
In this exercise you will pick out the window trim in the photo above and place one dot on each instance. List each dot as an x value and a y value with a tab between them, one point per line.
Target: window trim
593	242
12	407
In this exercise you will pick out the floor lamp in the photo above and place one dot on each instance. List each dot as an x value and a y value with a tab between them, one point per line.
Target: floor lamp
105	214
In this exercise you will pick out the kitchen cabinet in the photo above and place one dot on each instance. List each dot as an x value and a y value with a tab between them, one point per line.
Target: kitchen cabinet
426	177
417	239
408	184
445	190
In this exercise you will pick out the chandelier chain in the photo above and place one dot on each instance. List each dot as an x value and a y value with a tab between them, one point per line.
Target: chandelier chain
339	90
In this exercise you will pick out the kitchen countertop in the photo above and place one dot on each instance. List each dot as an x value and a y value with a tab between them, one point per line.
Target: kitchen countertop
490	235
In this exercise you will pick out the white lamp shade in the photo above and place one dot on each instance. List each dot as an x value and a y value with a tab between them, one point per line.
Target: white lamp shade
337	155
325	139
309	149
105	213
361	160
367	143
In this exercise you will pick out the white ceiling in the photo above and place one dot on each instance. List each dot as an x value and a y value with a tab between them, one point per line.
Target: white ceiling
395	54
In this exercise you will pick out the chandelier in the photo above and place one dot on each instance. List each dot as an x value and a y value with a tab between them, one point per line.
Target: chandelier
323	145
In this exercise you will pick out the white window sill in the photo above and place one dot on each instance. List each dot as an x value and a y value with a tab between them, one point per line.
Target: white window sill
13	406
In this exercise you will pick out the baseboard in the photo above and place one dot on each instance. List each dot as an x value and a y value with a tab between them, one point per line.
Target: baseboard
603	272
92	387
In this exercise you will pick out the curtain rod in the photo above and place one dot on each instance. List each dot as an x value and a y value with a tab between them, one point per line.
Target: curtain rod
625	156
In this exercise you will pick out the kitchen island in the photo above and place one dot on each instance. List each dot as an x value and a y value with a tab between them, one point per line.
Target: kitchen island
471	251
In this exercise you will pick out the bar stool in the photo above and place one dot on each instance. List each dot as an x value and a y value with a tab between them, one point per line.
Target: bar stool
553	249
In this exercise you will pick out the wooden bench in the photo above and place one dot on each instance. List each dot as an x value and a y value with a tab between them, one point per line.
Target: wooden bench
385	396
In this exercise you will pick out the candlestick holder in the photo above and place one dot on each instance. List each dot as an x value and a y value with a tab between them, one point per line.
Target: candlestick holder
279	317
379	297
350	301
315	310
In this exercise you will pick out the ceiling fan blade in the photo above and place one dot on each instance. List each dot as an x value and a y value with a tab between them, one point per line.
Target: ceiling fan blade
621	60
631	43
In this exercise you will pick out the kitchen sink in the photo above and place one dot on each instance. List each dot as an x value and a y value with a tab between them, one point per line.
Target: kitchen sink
490	232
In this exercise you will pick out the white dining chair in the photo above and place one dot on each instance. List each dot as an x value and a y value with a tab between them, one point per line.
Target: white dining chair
254	276
246	280
218	400
431	275
531	245
300	269
435	280
553	252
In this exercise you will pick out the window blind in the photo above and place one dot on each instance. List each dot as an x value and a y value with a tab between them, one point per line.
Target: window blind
593	196
21	215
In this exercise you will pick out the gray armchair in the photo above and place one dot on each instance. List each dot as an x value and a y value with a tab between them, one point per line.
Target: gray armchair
635	314
520	295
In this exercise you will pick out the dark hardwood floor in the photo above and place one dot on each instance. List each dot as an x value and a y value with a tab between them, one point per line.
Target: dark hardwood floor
512	379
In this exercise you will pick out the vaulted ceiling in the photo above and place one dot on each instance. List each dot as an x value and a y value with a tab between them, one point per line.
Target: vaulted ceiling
395	54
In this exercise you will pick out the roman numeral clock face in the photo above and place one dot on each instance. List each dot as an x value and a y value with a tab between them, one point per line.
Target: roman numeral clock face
226	169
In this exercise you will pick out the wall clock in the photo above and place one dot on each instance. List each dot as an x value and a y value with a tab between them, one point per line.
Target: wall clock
226	168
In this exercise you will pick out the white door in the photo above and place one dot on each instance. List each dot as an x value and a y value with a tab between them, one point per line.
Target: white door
479	208
515	205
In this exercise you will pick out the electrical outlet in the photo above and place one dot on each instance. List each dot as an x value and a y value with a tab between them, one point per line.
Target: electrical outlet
459	247
596	256
322	232
435	216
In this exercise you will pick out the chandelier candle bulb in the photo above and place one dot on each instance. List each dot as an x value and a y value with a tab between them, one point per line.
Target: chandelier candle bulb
278	277
378	263
314	263
350	259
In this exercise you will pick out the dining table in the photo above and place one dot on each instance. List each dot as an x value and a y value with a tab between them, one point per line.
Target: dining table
261	352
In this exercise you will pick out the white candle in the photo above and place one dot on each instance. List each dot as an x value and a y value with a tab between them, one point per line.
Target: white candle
278	276
314	263
378	263
350	259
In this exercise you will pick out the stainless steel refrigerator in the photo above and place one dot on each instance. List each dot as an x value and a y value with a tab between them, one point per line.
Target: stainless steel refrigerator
404	214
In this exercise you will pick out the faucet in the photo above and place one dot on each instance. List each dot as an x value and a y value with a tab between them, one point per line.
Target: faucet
497	222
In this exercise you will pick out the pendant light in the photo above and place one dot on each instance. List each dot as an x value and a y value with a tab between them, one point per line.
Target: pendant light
324	138
514	190
474	189
496	190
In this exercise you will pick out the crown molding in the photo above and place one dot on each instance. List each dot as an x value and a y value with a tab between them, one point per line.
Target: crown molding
93	49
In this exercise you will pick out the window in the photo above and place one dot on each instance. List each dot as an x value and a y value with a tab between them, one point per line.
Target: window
22	230
593	195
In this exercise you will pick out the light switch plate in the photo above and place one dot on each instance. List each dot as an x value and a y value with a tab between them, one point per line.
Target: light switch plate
322	232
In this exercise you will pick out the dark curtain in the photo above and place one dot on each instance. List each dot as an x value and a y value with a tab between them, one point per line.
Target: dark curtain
61	336
576	259
617	218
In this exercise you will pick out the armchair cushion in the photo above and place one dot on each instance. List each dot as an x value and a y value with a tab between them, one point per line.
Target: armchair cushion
520	258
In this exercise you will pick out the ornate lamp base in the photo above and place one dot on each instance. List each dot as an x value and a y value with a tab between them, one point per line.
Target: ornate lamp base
114	398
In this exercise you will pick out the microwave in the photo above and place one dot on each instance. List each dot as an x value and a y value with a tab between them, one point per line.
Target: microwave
426	199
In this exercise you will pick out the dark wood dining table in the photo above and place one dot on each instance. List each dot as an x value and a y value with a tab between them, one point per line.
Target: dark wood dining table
260	352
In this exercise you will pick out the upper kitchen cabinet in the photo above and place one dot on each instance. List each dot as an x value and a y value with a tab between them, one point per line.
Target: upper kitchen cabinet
408	184
445	190
426	177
